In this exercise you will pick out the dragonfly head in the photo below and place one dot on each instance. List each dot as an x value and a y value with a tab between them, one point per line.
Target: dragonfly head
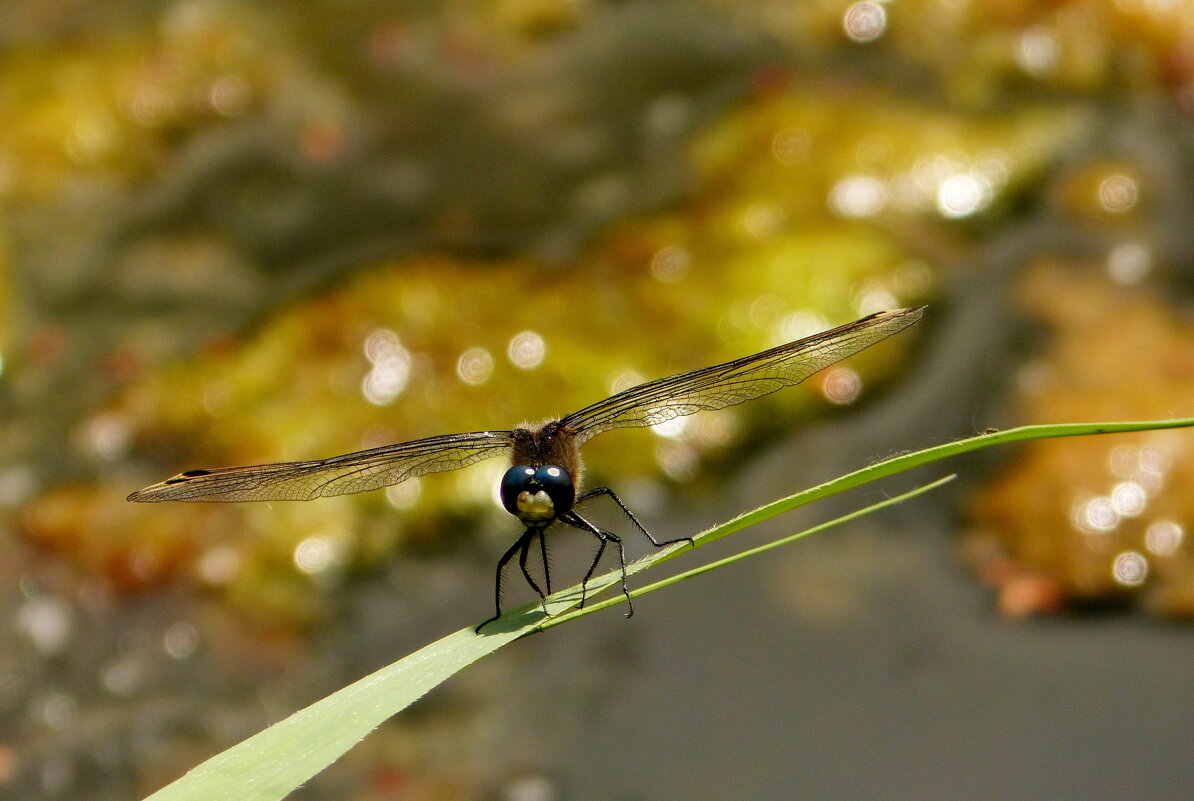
537	495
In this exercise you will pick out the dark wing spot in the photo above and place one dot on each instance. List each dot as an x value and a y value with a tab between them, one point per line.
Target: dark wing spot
189	474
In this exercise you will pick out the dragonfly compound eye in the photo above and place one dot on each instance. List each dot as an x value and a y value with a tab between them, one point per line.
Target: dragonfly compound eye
558	485
537	494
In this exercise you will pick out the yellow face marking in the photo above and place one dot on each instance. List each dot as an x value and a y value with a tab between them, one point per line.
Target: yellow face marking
535	507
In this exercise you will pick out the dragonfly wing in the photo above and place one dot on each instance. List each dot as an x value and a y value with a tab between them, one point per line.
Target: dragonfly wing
339	475
740	380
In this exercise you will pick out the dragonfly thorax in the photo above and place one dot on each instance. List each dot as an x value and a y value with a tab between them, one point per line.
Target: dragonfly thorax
537	495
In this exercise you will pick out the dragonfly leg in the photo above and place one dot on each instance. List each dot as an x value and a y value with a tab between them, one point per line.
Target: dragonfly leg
522	564
584	496
546	564
519	544
604	538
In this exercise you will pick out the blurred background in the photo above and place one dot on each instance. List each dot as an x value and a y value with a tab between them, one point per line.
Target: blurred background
235	233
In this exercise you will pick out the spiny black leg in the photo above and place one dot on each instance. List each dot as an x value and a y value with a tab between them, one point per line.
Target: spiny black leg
584	583
546	564
584	496
575	520
522	564
622	560
497	588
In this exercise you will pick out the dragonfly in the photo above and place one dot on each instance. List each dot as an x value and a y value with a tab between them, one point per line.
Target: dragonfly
543	485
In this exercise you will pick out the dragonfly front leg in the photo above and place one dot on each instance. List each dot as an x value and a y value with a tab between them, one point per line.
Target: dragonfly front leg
522	564
520	544
546	564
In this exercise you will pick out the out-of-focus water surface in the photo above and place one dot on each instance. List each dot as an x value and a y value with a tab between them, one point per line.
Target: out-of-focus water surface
236	234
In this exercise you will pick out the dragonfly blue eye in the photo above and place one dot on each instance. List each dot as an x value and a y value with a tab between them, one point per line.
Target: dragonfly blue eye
548	478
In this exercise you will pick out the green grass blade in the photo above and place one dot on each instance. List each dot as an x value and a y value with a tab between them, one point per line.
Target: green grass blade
272	763
729	560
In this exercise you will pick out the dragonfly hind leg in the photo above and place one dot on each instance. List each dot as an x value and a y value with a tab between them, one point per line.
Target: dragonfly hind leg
584	496
604	538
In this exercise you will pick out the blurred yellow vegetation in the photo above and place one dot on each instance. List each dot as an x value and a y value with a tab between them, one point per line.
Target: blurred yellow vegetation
1098	518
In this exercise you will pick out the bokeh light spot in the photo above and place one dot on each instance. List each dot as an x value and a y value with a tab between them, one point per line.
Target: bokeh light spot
314	555
526	350
180	640
1037	51
1129	263
841	385
1130	569
475	366
858	196
1128	499
625	380
1095	516
865	21
123	676
791	145
405	495
391	367
962	195
1118	194
763	220
219	564
58	710
46	622
1163	537
800	324
670	264
678	460
671	429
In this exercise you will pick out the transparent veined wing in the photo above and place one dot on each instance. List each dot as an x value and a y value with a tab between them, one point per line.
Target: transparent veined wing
338	475
734	382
